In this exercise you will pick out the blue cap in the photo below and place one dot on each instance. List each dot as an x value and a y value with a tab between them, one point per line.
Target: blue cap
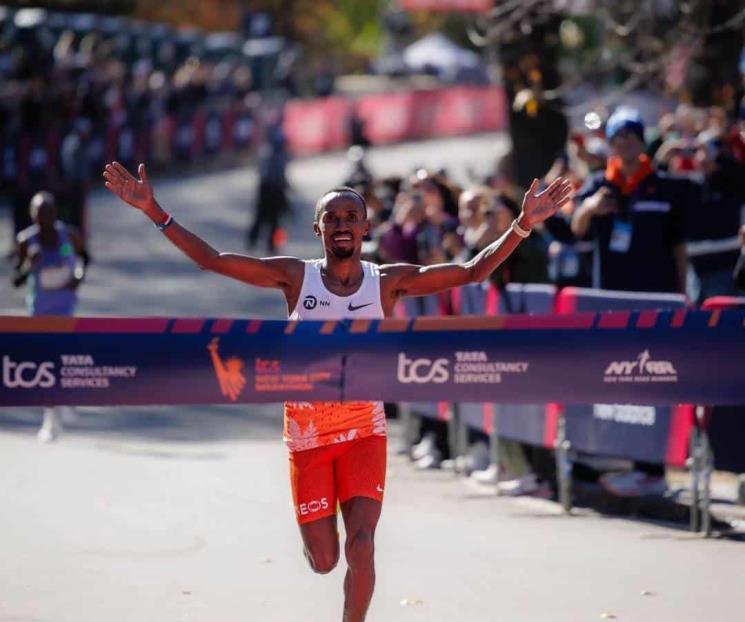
624	119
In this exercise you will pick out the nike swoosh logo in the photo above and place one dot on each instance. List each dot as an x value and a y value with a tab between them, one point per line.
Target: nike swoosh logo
352	307
378	488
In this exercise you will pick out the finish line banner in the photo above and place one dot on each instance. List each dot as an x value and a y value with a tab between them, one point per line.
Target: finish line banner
644	357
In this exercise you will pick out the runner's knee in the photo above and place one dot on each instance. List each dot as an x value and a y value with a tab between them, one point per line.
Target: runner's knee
360	548
322	561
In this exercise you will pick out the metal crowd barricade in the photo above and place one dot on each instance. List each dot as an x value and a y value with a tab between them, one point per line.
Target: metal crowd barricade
411	412
657	434
473	299
675	435
716	442
525	423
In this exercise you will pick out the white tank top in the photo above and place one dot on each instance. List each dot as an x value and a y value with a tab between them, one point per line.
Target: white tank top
318	303
308	425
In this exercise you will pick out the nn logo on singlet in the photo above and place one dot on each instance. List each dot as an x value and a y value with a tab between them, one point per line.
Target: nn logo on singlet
310	302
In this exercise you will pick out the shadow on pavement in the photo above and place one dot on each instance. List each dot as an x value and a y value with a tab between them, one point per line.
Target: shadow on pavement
188	424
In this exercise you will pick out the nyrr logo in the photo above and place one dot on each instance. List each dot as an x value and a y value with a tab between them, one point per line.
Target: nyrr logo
643	369
422	371
28	375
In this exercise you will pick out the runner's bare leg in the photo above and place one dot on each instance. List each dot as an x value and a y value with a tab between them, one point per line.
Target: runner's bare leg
361	516
321	540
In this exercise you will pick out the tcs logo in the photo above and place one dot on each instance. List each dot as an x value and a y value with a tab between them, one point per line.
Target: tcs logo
313	506
28	375
422	371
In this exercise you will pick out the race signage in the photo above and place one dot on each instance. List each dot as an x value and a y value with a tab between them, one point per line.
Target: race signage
582	358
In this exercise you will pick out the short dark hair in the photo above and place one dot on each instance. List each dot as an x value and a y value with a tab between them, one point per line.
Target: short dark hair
341	190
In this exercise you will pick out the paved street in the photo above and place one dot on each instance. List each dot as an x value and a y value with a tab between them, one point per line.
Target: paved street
165	515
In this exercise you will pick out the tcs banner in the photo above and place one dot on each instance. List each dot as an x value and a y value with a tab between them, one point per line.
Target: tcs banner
646	357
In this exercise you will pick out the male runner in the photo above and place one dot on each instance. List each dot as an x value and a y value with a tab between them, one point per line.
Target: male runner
338	450
51	260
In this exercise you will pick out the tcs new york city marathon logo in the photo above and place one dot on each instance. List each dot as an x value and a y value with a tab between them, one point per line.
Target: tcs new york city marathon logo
229	371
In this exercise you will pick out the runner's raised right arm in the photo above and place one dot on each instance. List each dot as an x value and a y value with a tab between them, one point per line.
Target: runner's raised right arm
276	272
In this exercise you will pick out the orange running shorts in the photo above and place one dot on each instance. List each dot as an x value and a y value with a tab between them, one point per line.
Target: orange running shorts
322	476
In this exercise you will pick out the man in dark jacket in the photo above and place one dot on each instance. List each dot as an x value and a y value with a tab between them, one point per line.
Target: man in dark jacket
716	218
634	215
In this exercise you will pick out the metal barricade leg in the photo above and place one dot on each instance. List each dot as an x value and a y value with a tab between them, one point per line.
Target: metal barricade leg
708	469
562	448
741	489
454	433
494	449
408	425
462	439
695	469
696	462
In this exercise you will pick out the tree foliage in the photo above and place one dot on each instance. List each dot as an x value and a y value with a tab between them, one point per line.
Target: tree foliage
210	15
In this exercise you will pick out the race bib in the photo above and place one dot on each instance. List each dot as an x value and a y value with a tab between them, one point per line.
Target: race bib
54	277
620	237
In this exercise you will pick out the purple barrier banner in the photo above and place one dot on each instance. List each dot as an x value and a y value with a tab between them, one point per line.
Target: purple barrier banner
517	422
646	357
623	430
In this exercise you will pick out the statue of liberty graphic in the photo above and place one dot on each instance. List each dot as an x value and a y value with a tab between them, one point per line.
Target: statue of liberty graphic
229	372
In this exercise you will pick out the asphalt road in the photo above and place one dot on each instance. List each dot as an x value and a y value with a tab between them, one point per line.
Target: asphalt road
184	515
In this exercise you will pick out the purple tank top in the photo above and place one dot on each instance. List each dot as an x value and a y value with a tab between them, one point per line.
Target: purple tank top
47	294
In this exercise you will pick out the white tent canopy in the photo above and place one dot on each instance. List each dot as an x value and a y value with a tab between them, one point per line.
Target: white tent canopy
435	51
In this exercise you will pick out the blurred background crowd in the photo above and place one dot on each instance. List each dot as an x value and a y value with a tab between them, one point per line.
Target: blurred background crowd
424	216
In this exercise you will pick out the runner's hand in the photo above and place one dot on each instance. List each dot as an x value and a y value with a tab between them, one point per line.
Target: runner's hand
538	206
137	192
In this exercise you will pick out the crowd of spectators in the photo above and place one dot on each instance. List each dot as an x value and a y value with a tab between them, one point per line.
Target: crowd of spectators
657	209
79	90
689	168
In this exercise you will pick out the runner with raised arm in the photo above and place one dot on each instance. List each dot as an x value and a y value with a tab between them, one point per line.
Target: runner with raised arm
338	449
